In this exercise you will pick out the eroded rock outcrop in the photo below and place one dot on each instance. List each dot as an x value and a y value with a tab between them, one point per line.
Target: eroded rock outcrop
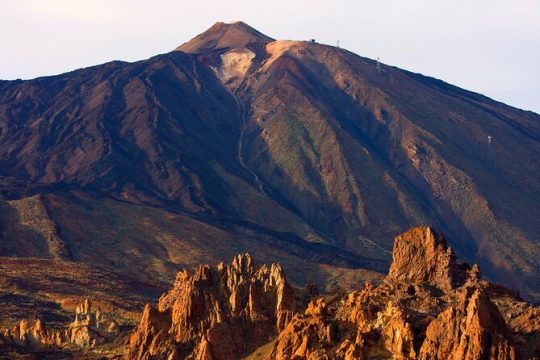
422	256
429	307
215	314
90	328
471	328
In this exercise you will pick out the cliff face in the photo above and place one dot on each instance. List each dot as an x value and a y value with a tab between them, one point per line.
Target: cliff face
429	307
472	328
217	314
421	256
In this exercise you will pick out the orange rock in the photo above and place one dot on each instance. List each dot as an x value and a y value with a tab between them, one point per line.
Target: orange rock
430	307
217	313
421	255
472	328
90	328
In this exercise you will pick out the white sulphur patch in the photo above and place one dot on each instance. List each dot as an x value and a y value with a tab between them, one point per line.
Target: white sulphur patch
234	66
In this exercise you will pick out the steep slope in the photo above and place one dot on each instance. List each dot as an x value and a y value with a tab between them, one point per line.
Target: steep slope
304	151
342	141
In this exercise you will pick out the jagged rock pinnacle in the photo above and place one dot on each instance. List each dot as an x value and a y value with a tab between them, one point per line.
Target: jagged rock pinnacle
225	311
421	255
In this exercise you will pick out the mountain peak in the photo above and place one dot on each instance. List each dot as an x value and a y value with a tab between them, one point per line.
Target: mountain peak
223	35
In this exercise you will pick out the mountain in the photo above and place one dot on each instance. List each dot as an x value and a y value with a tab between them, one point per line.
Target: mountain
298	152
223	37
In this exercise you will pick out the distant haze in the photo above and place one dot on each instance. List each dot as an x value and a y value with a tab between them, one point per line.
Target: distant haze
488	46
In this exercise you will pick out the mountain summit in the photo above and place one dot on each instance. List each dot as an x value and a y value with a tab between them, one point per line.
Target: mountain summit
225	36
296	152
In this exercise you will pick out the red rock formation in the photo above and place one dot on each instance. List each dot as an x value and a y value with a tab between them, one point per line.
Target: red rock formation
471	328
422	256
152	338
429	307
90	328
215	313
351	331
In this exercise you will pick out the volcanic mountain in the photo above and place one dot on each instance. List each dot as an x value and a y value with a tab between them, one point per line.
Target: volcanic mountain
298	152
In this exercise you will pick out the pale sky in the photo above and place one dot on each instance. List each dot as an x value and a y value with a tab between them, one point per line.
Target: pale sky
488	46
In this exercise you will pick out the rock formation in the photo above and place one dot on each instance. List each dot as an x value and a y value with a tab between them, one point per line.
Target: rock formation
429	307
90	328
215	314
472	328
421	256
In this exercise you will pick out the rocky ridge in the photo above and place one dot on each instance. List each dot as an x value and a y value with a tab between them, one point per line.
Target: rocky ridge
428	307
220	313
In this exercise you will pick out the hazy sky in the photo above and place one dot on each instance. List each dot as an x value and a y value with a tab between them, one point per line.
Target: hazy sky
488	46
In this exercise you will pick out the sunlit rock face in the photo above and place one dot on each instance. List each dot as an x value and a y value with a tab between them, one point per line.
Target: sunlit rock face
429	307
422	256
220	313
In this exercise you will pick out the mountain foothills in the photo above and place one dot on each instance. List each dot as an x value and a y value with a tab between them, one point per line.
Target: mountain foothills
115	178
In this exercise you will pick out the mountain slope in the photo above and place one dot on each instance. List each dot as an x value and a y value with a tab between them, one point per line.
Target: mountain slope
302	151
330	126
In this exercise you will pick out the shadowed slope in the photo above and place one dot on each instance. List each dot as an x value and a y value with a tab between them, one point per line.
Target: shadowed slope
342	141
